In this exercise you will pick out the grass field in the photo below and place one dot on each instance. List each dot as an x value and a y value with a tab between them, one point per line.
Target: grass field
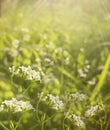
54	65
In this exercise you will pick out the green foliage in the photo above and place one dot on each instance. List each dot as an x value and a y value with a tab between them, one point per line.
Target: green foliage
54	65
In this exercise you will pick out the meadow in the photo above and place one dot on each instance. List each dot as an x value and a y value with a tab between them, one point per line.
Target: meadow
54	65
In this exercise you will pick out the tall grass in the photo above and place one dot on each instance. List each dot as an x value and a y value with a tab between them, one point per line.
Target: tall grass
54	65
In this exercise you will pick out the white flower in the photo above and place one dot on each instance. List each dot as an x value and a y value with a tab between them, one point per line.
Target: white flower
49	61
65	53
29	73
38	60
92	82
56	103
40	95
93	110
15	43
67	61
82	49
12	69
81	73
88	66
58	50
86	62
1	108
16	106
85	70
78	96
78	121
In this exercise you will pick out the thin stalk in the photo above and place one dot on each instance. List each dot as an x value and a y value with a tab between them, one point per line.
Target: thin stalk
4	126
42	125
63	124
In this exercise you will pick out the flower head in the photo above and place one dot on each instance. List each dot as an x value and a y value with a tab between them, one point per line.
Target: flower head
78	121
15	105
93	110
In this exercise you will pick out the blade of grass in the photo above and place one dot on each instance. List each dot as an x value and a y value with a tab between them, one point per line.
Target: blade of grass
66	73
101	80
5	128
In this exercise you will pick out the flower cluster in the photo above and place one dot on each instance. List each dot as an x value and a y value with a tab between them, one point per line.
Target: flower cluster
15	43
78	121
84	71
15	105
78	96
94	109
92	82
64	53
56	103
28	72
49	61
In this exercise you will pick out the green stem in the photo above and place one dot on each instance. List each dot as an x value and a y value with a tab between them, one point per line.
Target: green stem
107	124
101	124
4	126
17	125
42	125
63	123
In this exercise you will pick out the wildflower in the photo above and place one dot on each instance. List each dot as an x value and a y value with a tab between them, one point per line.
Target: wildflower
78	121
40	95
1	108
58	50
28	72
84	71
49	61
65	53
38	60
94	109
78	96
67	61
82	74
88	66
54	101
57	103
16	106
92	82
86	62
15	43
82	49
12	69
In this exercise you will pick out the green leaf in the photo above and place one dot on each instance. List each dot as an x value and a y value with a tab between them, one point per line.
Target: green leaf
99	85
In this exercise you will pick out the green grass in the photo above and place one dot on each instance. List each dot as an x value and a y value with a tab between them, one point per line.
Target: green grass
57	57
